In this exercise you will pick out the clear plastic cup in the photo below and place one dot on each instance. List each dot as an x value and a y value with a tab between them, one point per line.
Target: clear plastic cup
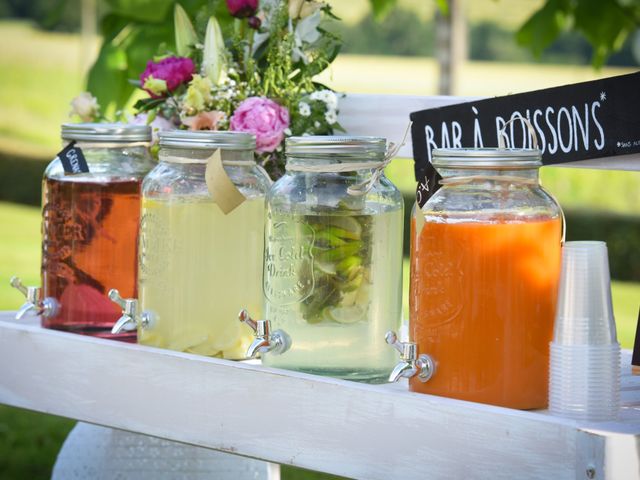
584	381
584	372
584	313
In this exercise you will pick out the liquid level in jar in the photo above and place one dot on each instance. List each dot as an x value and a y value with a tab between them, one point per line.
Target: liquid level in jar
198	269
483	299
90	234
333	284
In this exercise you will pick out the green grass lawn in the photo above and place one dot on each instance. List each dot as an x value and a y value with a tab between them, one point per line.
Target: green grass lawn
505	13
41	73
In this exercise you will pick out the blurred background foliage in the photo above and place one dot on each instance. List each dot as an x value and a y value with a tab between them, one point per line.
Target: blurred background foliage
389	45
558	31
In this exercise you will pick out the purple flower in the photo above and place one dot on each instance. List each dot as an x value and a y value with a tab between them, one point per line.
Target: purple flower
263	118
254	22
242	8
173	70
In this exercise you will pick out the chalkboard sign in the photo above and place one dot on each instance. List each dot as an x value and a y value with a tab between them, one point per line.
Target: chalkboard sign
73	160
635	357
574	122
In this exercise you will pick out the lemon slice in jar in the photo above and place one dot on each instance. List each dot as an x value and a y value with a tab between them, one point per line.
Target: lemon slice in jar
349	225
345	315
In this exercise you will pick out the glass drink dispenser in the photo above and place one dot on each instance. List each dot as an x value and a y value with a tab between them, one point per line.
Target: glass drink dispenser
485	266
90	229
198	267
333	261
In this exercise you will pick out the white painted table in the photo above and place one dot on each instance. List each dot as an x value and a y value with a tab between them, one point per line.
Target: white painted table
334	426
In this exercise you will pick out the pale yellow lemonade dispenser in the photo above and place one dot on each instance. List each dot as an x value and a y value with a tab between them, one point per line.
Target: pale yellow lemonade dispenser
198	266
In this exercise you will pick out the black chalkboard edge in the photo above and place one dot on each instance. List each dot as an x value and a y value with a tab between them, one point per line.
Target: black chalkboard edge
629	163
635	358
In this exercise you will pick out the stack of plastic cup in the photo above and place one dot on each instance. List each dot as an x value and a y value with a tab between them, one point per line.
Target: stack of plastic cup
584	379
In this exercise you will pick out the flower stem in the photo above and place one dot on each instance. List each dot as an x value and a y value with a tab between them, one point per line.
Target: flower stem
249	66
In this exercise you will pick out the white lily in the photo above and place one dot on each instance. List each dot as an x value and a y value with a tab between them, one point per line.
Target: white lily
186	36
213	56
303	8
306	31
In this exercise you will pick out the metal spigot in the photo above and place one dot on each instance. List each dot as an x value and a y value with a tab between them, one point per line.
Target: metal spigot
410	362
275	343
47	307
130	320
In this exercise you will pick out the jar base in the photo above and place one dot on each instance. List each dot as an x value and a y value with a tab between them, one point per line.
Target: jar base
371	376
128	337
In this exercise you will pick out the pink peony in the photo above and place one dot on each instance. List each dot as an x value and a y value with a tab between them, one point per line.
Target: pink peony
265	119
173	70
242	8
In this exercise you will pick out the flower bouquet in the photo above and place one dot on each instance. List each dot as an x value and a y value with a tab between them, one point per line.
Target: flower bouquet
255	75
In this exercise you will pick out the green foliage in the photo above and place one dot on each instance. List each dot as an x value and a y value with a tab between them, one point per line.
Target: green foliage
382	7
403	33
148	11
606	24
400	33
133	33
59	15
21	179
544	26
137	30
622	234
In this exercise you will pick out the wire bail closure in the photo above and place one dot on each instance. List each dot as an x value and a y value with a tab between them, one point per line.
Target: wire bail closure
392	150
536	146
527	123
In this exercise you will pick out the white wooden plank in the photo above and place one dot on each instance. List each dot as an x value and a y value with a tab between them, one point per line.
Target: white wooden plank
345	428
629	163
388	116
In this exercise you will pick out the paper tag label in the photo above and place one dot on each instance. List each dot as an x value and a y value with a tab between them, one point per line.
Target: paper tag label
73	161
222	189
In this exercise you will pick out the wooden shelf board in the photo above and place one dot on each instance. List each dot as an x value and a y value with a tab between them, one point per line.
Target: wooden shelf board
324	424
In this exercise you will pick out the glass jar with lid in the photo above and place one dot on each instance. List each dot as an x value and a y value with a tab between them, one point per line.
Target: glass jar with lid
90	228
485	266
198	267
333	258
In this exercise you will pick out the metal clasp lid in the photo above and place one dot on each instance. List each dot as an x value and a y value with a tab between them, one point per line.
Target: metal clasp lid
130	320
47	307
275	343
410	362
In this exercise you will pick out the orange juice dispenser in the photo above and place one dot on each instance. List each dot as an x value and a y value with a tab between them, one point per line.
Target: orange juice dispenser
485	267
